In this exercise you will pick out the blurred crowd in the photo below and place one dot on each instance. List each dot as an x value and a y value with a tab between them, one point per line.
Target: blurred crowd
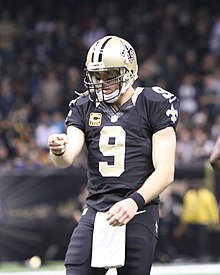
189	223
42	55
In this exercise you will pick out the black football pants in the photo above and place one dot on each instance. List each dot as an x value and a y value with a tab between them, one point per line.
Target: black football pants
141	238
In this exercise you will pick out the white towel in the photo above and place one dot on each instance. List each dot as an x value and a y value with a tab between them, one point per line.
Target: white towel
112	271
108	247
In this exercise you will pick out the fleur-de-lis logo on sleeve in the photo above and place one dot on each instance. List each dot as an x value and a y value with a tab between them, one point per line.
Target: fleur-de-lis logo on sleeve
173	113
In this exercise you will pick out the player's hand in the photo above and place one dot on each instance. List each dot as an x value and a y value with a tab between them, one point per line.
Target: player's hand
57	143
122	212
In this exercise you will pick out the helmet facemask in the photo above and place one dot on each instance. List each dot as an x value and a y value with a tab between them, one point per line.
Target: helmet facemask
96	88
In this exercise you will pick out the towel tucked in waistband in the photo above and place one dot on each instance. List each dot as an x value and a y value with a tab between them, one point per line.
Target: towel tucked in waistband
108	247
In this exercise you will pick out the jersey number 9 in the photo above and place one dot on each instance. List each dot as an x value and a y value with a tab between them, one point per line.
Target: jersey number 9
115	148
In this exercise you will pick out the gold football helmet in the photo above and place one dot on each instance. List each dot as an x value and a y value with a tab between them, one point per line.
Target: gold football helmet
107	54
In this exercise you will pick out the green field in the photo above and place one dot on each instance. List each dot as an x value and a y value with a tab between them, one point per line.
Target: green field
57	268
20	267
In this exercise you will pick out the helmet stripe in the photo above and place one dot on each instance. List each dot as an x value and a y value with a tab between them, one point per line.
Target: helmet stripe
102	48
93	53
98	50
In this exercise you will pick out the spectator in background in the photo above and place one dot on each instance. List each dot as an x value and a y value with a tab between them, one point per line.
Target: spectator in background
171	70
185	147
211	96
74	82
57	121
5	163
150	70
190	60
8	35
199	212
94	32
202	144
80	204
170	210
187	94
215	128
7	97
215	156
214	40
44	129
49	97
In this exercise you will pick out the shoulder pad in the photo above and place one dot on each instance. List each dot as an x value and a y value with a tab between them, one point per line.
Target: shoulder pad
78	101
157	93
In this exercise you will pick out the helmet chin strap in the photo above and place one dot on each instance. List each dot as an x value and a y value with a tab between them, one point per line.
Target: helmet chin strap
113	97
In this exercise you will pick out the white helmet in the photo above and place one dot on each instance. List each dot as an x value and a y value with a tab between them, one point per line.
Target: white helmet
110	53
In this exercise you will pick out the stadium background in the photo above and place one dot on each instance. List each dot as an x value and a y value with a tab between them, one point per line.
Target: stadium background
42	53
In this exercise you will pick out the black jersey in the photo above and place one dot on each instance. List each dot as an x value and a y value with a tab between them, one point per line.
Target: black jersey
119	142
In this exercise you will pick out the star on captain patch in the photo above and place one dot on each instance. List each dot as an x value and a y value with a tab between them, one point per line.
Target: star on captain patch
173	113
95	119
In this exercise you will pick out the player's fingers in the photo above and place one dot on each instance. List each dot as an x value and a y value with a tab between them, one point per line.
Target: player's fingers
112	221
111	213
56	141
123	218
63	137
117	224
115	220
51	139
125	221
58	138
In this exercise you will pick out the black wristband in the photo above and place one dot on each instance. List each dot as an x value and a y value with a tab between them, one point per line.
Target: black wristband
60	154
138	199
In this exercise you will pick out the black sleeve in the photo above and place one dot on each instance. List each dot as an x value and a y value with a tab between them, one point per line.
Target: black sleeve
163	108
75	115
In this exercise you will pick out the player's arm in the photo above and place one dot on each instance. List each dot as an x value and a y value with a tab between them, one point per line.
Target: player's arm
164	146
163	153
64	148
215	156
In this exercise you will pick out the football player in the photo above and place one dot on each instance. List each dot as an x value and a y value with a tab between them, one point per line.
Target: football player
131	141
215	156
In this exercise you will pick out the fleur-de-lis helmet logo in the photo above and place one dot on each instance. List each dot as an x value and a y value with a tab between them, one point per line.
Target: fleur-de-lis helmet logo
128	54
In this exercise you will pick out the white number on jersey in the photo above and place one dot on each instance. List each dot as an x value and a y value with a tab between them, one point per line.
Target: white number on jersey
164	93
116	150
